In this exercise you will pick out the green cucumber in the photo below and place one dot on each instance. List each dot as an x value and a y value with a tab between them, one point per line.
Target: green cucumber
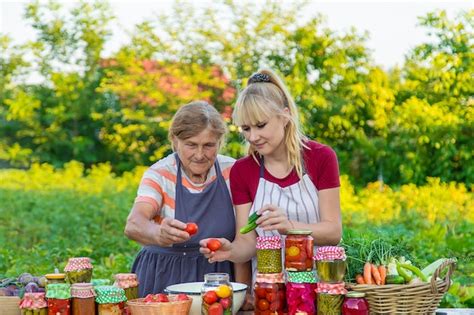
394	279
249	227
253	217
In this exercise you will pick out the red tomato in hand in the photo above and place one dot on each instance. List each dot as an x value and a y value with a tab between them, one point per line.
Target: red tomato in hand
215	309
191	228
210	297
214	244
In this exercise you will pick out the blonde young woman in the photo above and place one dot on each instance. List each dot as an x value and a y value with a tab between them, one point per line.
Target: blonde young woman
291	181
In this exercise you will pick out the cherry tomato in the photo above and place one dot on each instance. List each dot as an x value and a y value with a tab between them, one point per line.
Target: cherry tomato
210	297
191	228
214	244
263	305
215	309
182	297
271	297
261	292
161	297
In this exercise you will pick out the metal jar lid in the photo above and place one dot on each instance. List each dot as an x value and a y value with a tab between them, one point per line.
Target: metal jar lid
299	232
355	294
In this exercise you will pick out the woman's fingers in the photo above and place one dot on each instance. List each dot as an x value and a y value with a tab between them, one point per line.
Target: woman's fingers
215	249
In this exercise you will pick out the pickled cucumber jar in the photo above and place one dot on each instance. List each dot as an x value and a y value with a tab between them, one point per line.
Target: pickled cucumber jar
110	300
270	293
217	294
330	264
34	304
300	293
59	298
55	278
298	251
269	254
128	282
83	299
78	269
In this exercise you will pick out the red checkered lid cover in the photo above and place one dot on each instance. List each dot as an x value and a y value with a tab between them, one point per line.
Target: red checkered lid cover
331	288
330	253
78	263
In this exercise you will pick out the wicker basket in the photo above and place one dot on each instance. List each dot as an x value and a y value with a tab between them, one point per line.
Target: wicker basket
174	307
422	298
9	305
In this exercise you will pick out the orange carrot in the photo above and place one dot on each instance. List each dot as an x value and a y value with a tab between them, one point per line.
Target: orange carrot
376	274
360	279
383	273
367	273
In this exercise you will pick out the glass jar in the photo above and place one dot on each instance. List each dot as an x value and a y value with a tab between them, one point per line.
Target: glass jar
55	278
299	250
331	264
217	294
128	282
34	304
355	304
269	254
109	300
83	299
78	269
301	298
270	294
329	304
58	295
59	306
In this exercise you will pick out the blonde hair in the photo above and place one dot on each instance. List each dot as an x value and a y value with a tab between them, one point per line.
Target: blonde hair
191	119
259	101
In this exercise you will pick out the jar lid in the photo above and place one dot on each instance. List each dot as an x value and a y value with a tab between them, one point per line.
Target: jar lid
270	277
216	276
269	242
82	290
78	263
355	294
331	288
301	277
34	300
58	291
55	276
126	280
107	294
330	253
299	232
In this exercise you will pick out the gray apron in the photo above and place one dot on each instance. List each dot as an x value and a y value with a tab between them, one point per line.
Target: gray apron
212	210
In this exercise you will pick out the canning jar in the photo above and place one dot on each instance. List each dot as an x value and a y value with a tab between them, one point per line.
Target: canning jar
329	304
269	254
78	269
83	299
34	304
330	264
59	295
299	250
217	294
128	282
300	292
270	293
55	278
110	300
355	304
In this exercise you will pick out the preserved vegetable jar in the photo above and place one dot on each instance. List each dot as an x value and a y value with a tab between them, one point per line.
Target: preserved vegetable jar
83	299
78	269
269	254
330	263
34	304
59	295
110	300
329	304
300	293
55	278
217	294
299	250
270	294
128	282
355	304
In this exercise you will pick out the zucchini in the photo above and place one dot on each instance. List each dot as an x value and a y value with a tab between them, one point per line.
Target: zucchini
394	279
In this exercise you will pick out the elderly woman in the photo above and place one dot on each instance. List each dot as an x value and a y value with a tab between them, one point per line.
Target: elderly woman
189	185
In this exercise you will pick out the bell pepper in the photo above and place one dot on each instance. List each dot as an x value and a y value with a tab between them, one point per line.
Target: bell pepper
401	268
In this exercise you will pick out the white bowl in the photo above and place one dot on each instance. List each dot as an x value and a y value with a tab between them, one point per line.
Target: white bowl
193	289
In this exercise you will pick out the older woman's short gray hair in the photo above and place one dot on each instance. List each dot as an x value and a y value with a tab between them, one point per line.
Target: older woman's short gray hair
191	119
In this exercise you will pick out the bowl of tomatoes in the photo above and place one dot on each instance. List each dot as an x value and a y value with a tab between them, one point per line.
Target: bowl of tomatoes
193	289
161	304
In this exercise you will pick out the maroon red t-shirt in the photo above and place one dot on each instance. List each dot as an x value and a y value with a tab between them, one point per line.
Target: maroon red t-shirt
320	163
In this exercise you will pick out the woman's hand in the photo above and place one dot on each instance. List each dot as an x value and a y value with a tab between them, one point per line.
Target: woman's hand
222	254
274	218
171	231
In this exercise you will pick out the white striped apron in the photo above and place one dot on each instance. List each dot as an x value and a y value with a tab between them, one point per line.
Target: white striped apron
300	202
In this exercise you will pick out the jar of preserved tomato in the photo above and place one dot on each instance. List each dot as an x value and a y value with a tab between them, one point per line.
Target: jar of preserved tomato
355	304
78	269
300	293
330	264
34	304
110	300
270	293
299	250
269	254
83	299
217	294
129	283
59	298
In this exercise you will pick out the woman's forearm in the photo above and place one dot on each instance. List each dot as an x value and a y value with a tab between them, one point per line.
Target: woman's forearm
142	231
243	249
323	233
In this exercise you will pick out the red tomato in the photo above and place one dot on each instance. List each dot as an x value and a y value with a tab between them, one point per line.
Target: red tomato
226	303
261	292
191	228
215	309
271	297
210	297
161	297
149	298
214	244
263	305
182	297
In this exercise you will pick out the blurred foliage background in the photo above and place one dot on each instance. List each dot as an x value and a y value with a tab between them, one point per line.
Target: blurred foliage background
73	144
